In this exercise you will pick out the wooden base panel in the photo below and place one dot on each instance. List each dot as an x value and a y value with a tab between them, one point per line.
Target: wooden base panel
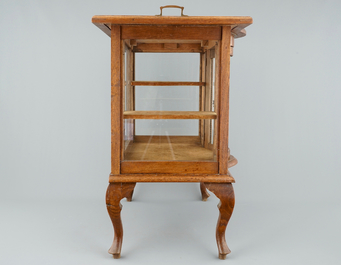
171	178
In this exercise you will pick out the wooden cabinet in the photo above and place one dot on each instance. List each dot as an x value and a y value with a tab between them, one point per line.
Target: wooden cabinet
175	129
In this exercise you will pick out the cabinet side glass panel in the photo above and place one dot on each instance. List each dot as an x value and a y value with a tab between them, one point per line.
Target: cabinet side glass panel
165	138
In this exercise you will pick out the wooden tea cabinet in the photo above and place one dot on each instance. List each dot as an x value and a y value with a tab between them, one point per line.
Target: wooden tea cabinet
150	140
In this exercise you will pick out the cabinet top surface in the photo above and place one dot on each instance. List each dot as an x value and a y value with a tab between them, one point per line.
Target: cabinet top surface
172	20
237	23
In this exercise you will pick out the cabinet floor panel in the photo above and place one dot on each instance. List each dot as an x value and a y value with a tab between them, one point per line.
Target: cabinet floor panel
169	148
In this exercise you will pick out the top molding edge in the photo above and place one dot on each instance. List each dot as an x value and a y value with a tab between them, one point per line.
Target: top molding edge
172	20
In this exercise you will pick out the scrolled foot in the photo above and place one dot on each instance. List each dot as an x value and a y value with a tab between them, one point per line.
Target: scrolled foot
115	193
116	256
224	191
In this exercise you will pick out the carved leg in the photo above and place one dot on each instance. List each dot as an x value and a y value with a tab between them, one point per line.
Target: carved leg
224	191
130	195
204	193
115	193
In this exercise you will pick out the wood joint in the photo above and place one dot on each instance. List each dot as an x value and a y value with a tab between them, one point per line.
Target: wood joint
133	42
204	43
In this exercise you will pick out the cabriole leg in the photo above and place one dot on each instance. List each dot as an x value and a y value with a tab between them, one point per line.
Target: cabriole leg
115	193
130	195
224	191
204	193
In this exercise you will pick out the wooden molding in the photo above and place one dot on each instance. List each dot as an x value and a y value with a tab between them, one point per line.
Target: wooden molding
171	32
169	167
166	83
171	178
169	115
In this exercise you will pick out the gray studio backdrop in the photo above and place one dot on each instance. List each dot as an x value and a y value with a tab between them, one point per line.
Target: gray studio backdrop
55	98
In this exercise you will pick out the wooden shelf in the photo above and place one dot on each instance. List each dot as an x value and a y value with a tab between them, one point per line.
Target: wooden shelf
166	83
167	148
169	115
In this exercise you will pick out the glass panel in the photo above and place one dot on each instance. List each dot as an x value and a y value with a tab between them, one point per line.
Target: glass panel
167	98
212	99
128	95
167	66
170	122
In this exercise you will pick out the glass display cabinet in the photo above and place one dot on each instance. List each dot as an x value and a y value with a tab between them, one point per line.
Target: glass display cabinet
170	107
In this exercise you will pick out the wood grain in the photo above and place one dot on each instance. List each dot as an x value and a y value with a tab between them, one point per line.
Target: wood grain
167	41
115	193
211	37
167	83
104	27
224	99
169	167
231	45
202	96
243	21
115	98
224	191
123	93
216	100
232	161
239	30
162	177
166	47
171	32
208	97
169	115
167	148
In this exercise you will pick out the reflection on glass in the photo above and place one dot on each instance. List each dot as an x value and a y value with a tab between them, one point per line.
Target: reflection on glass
188	135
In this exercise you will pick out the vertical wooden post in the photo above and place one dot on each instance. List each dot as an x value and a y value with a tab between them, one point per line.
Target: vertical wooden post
208	97
131	78
224	99
123	94
115	99
132	92
133	88
202	96
216	100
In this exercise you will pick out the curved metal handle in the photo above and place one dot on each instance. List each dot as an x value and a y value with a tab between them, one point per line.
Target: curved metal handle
172	6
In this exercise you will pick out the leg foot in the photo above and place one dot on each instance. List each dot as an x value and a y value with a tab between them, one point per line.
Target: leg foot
224	191
116	256
115	193
204	193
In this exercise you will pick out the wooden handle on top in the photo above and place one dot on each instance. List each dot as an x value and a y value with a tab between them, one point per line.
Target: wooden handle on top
172	6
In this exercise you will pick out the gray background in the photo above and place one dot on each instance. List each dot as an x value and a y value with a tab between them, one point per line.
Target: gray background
55	140
167	67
